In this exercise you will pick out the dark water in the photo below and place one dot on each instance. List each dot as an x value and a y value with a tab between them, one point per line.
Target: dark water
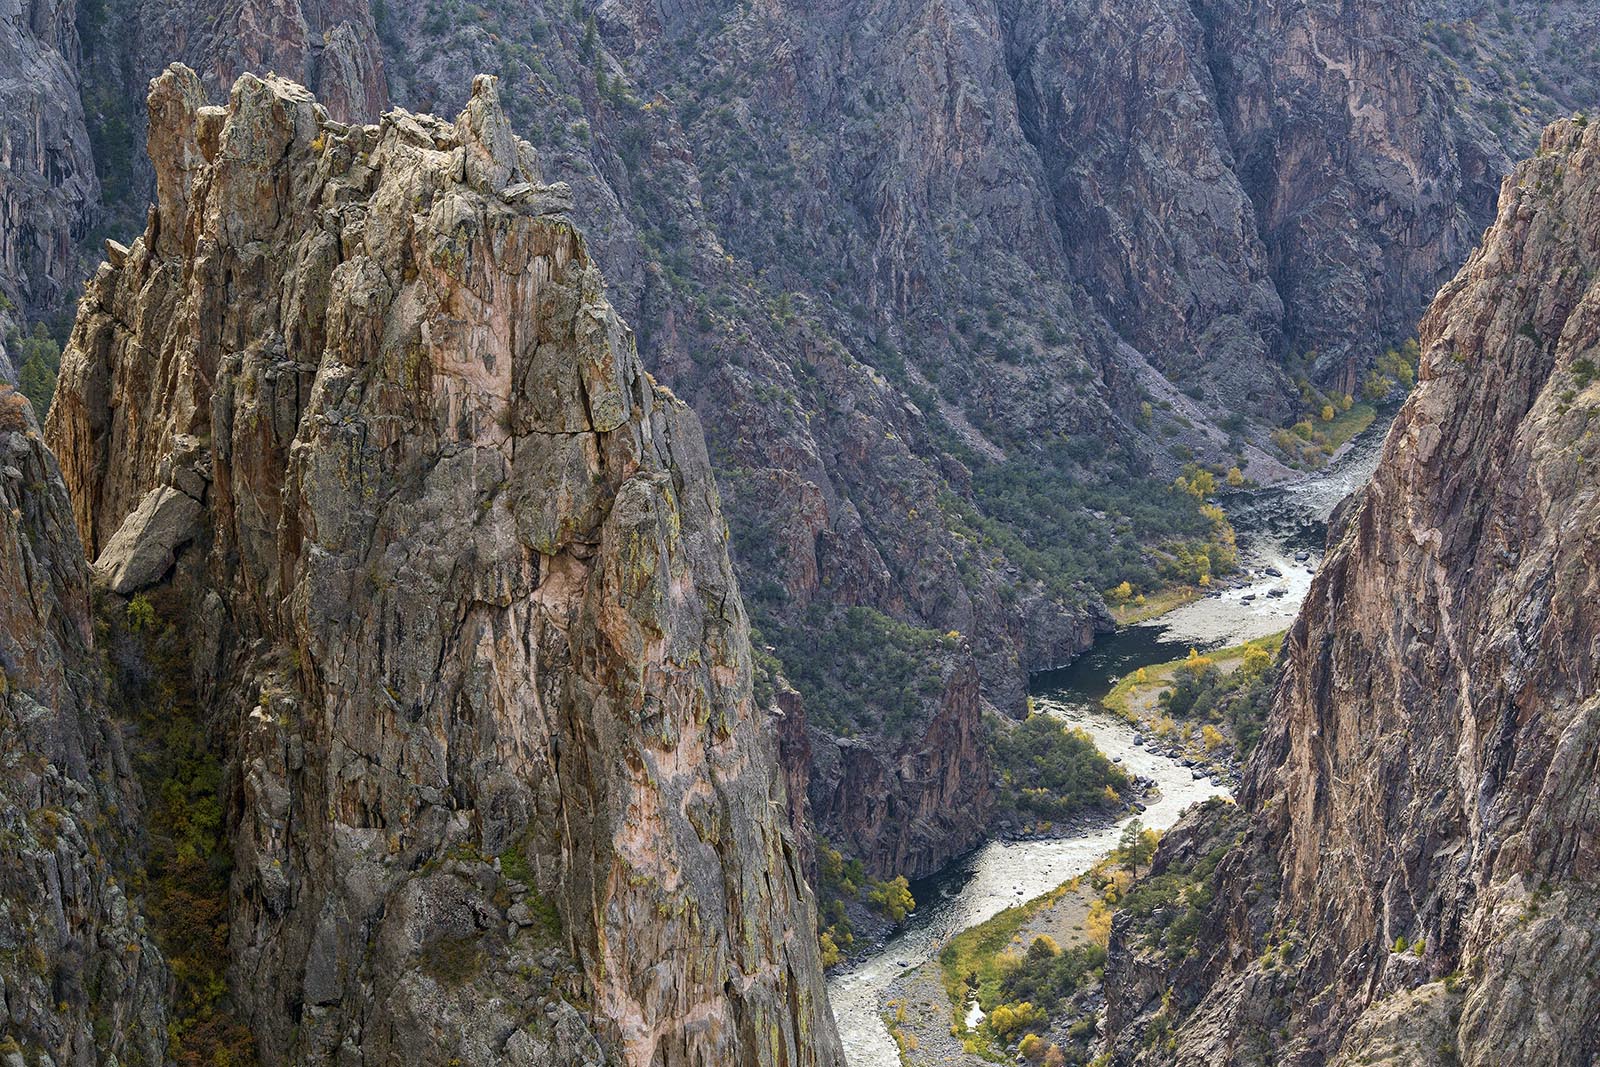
1092	675
1273	526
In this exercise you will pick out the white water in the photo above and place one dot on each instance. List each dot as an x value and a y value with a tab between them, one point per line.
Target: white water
1003	873
1274	526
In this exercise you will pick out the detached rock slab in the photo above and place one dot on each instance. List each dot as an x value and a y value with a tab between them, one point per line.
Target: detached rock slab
144	547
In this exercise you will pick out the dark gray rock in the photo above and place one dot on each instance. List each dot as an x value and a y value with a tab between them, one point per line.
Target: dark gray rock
476	646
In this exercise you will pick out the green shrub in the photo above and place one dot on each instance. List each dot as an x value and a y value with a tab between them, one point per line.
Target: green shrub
188	859
861	671
1239	698
1050	771
1047	979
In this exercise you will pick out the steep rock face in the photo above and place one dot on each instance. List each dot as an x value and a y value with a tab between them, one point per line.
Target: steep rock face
82	979
1143	190
48	189
913	808
462	598
1417	882
898	255
72	79
329	45
1367	192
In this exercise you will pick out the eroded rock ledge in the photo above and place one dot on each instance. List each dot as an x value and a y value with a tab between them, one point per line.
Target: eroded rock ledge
461	602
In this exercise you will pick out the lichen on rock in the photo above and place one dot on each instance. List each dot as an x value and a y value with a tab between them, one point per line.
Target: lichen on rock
468	625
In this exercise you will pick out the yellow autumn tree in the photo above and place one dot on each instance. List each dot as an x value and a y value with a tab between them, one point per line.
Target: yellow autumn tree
1009	1018
831	956
894	897
1097	924
1003	1020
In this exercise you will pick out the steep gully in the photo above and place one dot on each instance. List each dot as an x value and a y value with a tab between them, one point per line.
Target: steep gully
1274	526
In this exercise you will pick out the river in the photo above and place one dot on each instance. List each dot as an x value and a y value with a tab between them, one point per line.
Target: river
1274	526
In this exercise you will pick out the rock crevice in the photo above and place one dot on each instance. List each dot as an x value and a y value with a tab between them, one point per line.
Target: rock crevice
501	792
1416	880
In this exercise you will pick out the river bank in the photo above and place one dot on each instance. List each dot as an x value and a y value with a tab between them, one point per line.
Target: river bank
997	876
1281	533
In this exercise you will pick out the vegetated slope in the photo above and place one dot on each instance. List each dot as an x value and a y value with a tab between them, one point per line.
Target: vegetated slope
355	410
957	289
1415	878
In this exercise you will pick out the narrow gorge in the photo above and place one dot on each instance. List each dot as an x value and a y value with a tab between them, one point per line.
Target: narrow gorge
1411	877
551	533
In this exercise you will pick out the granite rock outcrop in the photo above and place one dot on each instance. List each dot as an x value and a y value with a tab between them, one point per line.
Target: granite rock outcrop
84	981
462	607
1414	876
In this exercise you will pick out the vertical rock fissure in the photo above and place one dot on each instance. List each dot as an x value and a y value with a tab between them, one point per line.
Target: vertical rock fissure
489	707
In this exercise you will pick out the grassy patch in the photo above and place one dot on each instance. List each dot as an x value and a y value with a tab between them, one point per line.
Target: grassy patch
975	958
1154	604
453	961
1155	677
1349	424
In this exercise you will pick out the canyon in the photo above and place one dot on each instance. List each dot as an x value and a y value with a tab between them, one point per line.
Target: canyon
956	293
405	659
1410	875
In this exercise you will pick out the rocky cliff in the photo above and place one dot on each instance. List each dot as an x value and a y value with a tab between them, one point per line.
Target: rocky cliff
956	288
908	804
1414	878
48	188
458	597
72	82
83	981
1037	244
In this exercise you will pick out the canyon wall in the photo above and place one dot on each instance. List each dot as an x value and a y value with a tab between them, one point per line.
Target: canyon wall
83	979
1414	878
956	288
48	188
457	591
